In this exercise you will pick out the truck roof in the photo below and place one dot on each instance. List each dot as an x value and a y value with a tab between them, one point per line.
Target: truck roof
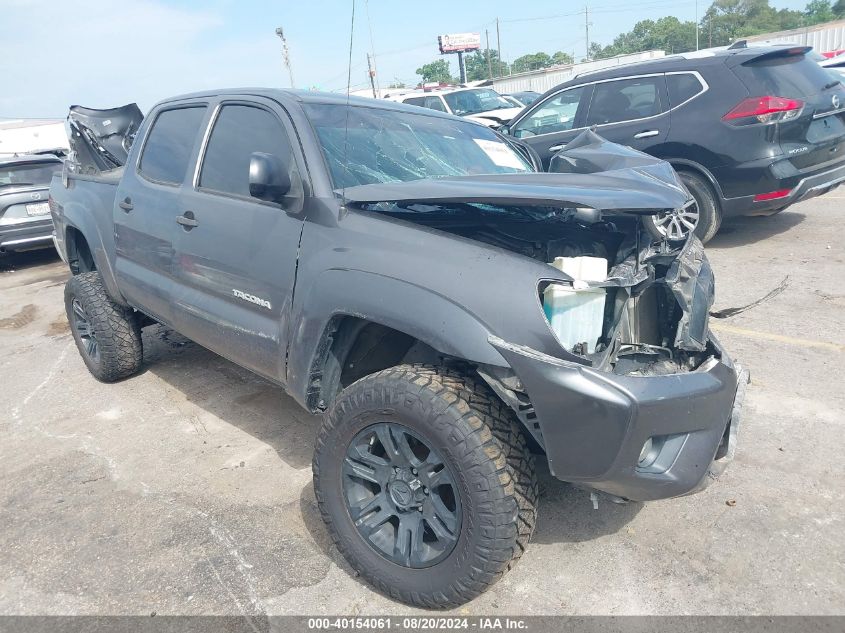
308	96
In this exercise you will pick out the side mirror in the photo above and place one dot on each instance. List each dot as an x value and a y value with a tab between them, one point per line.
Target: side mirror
268	177
505	129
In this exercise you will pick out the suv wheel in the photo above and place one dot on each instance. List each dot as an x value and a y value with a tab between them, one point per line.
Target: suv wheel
108	335
703	216
425	483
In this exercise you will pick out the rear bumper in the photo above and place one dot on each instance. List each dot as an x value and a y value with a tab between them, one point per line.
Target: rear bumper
803	187
594	424
26	235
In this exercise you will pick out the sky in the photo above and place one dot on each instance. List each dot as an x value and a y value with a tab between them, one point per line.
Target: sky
105	53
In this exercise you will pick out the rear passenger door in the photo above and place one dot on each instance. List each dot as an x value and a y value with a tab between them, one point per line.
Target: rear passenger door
632	111
552	123
146	204
237	257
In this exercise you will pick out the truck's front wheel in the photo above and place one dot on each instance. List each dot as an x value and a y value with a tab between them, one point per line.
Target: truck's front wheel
425	482
108	335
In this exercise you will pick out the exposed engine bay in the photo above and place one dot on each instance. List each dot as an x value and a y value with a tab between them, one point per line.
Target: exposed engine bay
657	293
651	297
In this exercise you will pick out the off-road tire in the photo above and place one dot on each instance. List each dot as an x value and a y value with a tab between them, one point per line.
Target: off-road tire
116	328
483	445
709	213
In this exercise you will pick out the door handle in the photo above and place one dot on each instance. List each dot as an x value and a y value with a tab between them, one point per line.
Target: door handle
126	204
187	220
557	148
646	133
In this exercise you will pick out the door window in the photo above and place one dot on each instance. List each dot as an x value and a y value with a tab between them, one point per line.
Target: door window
239	131
625	100
554	115
170	143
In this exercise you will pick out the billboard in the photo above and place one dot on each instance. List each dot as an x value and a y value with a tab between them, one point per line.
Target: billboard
459	42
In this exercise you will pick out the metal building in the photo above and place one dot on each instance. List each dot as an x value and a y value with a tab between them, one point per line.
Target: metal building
546	78
829	36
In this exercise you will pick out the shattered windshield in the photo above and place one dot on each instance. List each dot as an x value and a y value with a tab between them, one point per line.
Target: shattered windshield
389	146
466	102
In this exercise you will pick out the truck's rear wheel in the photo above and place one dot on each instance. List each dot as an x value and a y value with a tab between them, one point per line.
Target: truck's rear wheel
426	485
108	335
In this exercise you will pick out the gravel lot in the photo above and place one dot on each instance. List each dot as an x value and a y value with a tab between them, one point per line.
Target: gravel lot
187	489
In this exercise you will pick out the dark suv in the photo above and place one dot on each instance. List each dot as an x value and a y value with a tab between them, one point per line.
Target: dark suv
750	130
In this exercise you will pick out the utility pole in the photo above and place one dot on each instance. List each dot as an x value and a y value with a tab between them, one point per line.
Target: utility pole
696	24
372	74
489	65
462	69
499	43
710	22
286	54
587	29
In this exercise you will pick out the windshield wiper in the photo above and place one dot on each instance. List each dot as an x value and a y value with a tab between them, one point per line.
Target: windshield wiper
16	184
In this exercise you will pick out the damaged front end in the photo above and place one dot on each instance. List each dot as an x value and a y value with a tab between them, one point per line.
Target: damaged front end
638	398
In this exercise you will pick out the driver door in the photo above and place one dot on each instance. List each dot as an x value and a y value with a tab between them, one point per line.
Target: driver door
236	256
555	121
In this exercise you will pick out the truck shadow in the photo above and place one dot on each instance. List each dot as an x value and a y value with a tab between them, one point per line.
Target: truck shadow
742	231
264	411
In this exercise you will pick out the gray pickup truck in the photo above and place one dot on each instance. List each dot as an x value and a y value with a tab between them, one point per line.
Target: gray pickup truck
451	311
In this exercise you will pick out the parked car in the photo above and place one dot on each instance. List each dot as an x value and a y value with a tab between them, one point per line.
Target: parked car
525	97
24	214
483	105
389	266
750	130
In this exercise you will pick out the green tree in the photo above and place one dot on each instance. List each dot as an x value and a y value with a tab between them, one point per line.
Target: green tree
818	11
476	65
561	59
436	71
533	61
668	34
838	9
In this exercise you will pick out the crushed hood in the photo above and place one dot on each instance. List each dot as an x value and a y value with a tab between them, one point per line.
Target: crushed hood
590	172
100	139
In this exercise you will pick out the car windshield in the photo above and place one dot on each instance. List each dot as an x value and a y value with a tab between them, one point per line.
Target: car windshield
363	146
464	102
25	174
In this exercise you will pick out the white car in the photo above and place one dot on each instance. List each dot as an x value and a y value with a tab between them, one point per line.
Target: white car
483	105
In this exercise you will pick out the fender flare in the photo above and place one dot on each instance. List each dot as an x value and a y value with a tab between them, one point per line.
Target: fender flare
77	216
419	312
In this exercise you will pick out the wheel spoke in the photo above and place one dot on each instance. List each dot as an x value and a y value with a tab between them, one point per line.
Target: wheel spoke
91	347
405	448
83	329
79	312
442	515
368	505
362	471
372	522
386	438
409	539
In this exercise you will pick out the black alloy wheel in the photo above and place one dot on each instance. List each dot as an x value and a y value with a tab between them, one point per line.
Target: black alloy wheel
401	496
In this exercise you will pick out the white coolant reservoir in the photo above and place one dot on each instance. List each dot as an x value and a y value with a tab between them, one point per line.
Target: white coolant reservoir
576	313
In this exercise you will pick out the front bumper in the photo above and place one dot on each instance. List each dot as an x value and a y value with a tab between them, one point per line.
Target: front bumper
594	424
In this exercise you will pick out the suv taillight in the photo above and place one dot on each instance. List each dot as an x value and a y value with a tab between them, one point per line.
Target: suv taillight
764	110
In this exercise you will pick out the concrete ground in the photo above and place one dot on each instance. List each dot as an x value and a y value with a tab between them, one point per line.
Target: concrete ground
187	489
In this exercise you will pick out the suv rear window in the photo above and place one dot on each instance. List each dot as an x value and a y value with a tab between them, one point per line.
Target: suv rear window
169	144
786	76
27	174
